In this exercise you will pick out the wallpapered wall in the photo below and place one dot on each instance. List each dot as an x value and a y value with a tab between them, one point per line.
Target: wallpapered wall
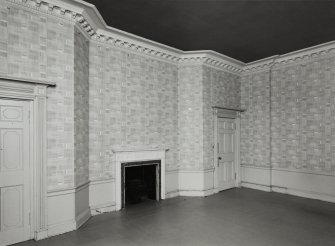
40	47
221	89
190	117
255	121
302	117
201	87
133	105
81	107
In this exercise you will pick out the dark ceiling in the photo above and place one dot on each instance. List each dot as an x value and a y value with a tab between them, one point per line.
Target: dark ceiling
246	30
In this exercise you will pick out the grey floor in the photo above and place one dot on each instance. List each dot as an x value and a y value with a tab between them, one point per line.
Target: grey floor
234	217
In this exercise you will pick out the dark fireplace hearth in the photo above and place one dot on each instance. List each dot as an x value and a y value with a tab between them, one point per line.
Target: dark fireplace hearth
140	181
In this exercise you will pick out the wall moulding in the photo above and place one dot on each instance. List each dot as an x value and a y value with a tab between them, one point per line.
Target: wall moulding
26	81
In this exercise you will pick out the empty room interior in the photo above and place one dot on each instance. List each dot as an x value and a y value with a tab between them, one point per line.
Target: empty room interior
156	122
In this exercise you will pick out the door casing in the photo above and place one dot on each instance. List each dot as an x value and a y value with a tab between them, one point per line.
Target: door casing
231	114
35	94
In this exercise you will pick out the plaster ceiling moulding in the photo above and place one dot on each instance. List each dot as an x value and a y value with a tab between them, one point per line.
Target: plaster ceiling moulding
142	46
259	65
299	56
315	52
90	20
47	8
212	58
223	62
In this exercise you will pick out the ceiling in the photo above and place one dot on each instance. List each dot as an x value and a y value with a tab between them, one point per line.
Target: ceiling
246	30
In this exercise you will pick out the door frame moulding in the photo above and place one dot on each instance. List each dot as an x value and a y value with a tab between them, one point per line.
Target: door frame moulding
34	92
232	114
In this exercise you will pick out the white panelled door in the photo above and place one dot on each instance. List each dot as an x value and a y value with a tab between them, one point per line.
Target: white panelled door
226	153
14	172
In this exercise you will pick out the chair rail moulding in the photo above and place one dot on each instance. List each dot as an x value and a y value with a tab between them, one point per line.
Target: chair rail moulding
35	92
134	155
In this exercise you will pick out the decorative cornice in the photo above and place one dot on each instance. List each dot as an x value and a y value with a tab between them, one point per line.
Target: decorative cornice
259	66
213	59
299	56
89	20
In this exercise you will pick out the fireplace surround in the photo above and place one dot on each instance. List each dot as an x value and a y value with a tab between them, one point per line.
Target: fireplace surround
140	178
139	156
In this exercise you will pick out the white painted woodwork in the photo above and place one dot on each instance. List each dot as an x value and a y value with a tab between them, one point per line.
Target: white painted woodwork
33	92
226	137
122	156
102	196
294	182
14	171
196	182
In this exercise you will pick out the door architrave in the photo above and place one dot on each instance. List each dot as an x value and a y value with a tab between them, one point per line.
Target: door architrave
36	93
231	114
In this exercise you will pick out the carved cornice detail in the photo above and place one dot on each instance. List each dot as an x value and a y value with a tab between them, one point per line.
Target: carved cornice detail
48	8
120	43
300	56
210	61
116	40
96	30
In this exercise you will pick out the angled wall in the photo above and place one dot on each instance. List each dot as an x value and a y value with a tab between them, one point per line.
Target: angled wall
287	138
81	107
41	47
133	106
116	91
200	88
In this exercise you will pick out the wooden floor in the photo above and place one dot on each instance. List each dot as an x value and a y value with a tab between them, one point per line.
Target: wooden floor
234	217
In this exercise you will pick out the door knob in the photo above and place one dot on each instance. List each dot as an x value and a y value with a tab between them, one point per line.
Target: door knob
220	158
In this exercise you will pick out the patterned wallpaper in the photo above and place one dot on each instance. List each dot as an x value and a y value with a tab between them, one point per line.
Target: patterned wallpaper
39	47
190	117
221	89
302	117
140	102
255	121
81	108
133	105
199	88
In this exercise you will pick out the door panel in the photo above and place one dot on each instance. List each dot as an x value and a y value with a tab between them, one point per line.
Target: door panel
14	172
226	153
11	144
11	202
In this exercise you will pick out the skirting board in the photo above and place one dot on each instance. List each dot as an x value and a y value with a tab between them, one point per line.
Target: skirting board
292	182
199	193
102	196
103	208
60	228
255	186
172	194
195	182
41	235
64	214
83	217
171	183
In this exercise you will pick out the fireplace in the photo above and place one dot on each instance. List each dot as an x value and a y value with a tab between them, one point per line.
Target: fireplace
140	181
125	158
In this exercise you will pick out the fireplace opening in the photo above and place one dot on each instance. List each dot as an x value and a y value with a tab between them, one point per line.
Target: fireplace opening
140	182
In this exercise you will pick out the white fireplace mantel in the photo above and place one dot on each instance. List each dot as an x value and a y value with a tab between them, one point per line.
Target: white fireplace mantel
122	156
